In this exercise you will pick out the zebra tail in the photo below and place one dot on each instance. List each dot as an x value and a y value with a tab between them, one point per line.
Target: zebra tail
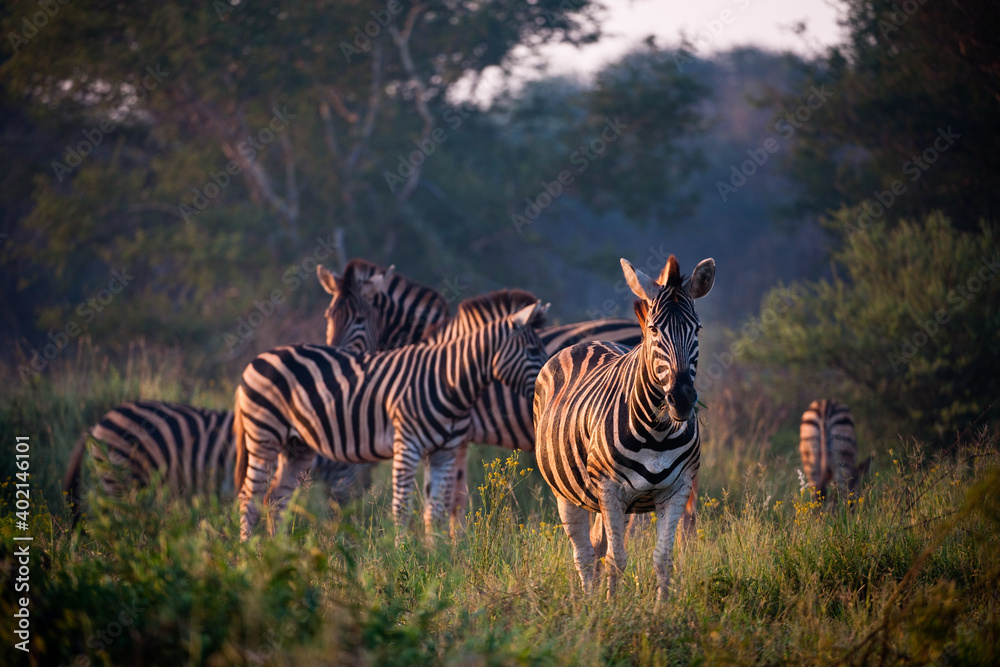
239	441
74	471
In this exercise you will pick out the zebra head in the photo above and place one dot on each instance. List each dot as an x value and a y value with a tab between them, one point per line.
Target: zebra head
670	325
353	320
521	355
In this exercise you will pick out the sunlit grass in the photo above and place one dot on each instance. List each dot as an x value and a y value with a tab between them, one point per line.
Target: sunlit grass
905	571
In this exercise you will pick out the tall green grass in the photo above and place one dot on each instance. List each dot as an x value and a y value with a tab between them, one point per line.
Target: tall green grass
904	573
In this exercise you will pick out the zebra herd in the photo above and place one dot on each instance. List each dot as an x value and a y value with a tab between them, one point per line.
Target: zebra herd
615	422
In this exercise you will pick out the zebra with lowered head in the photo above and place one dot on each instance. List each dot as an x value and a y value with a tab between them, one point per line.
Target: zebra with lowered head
403	404
829	448
617	430
188	449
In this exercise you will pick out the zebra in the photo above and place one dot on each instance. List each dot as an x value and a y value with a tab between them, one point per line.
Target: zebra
829	448
296	401
617	429
189	449
374	310
500	417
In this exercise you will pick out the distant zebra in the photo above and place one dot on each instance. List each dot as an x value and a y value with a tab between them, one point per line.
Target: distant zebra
617	430
829	448
364	314
401	404
189	449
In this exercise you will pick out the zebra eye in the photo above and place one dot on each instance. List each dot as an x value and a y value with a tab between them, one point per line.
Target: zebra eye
654	331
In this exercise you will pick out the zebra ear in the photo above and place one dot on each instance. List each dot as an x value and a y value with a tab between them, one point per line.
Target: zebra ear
527	314
377	283
538	315
328	279
701	281
642	285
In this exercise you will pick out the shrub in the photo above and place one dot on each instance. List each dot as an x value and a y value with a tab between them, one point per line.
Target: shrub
913	330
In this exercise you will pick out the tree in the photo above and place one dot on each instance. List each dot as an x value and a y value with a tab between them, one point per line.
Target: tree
213	139
912	114
910	337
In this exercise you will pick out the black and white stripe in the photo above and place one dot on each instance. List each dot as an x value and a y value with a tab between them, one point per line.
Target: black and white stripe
362	314
373	309
829	448
616	429
188	449
401	404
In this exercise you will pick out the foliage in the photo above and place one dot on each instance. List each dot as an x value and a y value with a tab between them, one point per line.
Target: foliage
907	573
907	74
910	335
337	144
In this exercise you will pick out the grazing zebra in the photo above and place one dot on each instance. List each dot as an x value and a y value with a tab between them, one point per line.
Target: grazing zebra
400	404
617	431
190	449
829	449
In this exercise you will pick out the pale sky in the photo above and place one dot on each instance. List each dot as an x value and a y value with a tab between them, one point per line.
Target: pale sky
712	25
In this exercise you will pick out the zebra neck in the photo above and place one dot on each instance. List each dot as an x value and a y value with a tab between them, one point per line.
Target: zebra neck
647	410
467	362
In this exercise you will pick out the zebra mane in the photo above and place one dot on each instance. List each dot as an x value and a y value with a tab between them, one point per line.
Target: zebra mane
474	311
495	304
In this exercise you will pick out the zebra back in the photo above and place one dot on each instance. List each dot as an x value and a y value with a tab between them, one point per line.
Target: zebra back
828	447
342	405
188	448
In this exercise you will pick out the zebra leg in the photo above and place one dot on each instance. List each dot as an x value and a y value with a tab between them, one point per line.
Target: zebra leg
460	498
295	459
668	514
576	521
613	518
259	459
690	516
405	458
441	480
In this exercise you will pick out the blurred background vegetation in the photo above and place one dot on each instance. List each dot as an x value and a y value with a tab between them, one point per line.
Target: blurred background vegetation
119	121
849	197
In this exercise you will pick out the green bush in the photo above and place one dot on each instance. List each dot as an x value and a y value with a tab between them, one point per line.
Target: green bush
911	330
